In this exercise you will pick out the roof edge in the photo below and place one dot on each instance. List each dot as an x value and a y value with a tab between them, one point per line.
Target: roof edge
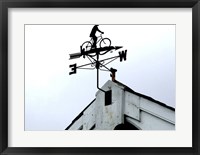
126	88
79	115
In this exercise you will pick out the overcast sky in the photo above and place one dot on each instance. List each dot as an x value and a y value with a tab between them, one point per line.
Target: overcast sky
53	98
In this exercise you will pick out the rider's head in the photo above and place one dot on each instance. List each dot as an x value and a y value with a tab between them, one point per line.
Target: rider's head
96	25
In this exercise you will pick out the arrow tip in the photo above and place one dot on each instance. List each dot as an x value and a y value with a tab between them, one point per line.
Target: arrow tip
118	47
75	55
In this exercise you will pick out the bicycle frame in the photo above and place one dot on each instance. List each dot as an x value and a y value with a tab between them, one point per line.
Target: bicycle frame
99	38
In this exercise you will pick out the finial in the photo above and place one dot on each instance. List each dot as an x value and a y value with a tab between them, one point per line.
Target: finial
113	71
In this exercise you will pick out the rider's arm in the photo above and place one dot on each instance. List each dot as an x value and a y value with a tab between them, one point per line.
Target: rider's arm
100	31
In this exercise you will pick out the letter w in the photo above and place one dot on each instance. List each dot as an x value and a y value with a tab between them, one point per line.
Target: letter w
122	55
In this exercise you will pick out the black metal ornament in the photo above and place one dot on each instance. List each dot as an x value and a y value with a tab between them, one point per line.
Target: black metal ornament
90	50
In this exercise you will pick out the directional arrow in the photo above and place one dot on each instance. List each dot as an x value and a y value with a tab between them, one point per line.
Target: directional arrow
95	50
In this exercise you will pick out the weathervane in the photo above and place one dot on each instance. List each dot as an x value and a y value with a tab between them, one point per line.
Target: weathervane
90	50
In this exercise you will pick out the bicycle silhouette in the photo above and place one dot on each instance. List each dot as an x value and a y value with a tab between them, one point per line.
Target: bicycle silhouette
102	42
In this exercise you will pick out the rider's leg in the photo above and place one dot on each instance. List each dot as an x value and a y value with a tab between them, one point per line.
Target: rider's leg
95	41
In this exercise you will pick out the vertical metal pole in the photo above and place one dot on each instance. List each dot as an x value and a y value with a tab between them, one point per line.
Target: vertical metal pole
97	78
108	94
97	67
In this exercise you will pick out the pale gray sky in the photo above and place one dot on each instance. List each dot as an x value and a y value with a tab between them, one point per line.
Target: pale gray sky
53	98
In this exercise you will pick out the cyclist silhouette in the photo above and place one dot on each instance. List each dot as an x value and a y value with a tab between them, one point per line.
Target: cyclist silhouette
93	36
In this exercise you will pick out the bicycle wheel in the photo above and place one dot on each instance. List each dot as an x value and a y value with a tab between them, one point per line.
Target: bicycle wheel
86	46
105	42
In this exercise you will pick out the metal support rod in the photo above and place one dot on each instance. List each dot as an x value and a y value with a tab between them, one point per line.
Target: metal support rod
98	81
97	67
90	59
85	65
104	70
105	67
111	60
87	68
100	64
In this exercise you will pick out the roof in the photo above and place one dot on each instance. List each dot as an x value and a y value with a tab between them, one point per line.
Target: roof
79	115
144	96
126	88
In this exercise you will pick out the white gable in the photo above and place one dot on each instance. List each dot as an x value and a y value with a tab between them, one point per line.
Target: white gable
126	106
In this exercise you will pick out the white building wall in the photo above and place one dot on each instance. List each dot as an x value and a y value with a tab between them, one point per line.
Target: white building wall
150	122
89	117
144	113
109	116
